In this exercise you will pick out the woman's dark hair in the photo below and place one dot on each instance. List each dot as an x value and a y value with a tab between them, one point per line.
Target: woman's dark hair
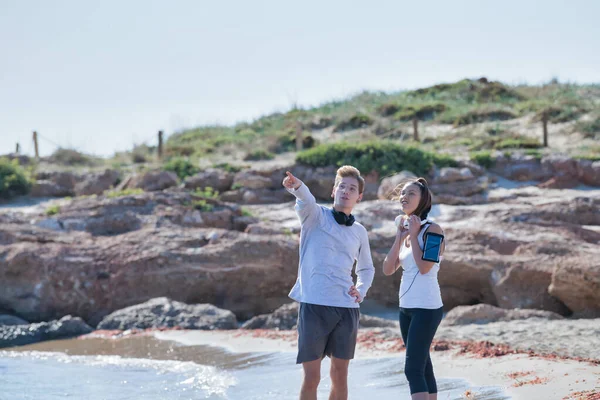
425	204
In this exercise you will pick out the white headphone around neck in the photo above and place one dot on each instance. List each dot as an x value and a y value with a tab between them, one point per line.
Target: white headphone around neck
404	221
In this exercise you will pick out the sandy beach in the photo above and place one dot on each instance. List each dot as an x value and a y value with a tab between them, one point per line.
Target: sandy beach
524	376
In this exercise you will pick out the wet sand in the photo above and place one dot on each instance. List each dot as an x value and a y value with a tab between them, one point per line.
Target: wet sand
523	376
519	374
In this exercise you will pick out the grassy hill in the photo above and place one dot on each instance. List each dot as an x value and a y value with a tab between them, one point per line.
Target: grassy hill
465	119
454	119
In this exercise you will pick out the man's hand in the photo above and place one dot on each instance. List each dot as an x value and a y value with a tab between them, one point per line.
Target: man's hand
291	182
355	293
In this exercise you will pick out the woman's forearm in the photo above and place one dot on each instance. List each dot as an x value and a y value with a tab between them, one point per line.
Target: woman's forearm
424	266
392	262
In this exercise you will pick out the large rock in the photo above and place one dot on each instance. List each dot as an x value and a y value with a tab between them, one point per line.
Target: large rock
389	186
217	179
152	181
264	196
464	279
11	320
580	210
251	180
577	284
371	186
450	175
559	182
465	189
92	277
45	188
320	180
520	168
20	335
286	318
46	274
485	313
97	183
525	285
165	313
589	172
55	184
109	216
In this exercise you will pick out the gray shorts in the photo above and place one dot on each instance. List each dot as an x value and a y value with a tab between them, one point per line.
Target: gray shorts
326	331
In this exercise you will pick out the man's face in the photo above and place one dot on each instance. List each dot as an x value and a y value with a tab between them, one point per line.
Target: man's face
345	193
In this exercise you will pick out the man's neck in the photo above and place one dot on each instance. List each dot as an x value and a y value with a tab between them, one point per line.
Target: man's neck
346	211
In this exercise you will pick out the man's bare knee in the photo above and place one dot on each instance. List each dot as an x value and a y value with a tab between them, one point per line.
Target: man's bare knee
339	371
312	374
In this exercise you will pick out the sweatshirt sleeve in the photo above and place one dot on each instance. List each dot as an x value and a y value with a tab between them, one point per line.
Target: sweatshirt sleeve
365	271
306	207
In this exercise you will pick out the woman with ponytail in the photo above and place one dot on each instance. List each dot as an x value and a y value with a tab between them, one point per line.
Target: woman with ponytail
420	297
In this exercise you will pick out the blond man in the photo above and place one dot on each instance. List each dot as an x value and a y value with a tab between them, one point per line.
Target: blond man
331	242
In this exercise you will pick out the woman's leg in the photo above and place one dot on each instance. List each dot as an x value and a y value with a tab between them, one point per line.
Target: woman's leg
422	329
404	324
430	379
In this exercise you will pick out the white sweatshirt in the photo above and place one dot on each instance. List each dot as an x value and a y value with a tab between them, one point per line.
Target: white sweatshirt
328	251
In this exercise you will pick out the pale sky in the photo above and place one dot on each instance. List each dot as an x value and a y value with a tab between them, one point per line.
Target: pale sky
101	76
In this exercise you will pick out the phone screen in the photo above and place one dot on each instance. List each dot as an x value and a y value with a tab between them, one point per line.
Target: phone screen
433	246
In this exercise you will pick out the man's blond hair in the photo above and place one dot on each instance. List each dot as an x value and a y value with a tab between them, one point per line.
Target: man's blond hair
348	171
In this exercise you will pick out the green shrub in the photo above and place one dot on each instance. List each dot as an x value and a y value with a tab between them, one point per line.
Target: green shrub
421	112
563	110
125	192
71	157
182	167
179	151
381	156
204	203
470	91
259	155
534	152
246	212
356	121
52	210
590	128
207	192
517	143
483	158
590	157
507	141
13	179
228	167
483	114
287	142
388	109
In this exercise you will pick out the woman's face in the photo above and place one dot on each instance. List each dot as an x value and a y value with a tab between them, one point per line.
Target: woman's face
410	196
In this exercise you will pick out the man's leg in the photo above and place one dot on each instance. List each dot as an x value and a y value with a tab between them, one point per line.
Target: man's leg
340	348
312	377
314	326
339	379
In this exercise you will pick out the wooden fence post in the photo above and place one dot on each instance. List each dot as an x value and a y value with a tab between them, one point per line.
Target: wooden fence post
298	136
415	122
160	145
35	145
545	128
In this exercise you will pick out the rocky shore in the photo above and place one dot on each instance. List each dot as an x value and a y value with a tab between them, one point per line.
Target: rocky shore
529	251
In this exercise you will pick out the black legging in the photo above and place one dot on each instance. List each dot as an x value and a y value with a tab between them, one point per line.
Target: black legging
418	326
